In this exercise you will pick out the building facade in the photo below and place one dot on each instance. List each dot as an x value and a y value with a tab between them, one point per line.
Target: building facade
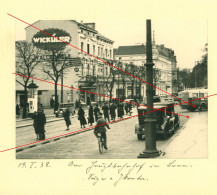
87	73
165	68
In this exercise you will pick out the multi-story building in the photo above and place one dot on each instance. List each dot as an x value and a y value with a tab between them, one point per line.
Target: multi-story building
86	71
165	70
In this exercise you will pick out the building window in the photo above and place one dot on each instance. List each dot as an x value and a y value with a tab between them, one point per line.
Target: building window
82	46
102	52
93	49
88	48
106	53
98	51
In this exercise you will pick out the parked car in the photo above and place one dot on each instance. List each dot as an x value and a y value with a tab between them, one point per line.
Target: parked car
62	109
166	122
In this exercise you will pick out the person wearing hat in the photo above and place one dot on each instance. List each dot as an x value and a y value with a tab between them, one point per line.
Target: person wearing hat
39	121
101	127
66	116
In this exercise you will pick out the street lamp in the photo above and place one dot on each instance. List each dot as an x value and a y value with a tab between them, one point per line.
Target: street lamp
150	142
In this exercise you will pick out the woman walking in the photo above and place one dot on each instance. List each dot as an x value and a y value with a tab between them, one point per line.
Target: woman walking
90	116
81	117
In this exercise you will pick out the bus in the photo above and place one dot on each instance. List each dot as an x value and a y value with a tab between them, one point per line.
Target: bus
191	94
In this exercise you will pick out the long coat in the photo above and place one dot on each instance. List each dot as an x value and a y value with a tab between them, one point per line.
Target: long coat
90	115
39	121
66	116
105	111
120	110
112	111
81	116
96	110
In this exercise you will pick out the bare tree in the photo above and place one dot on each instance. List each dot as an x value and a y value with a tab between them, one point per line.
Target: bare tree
26	62
56	65
109	81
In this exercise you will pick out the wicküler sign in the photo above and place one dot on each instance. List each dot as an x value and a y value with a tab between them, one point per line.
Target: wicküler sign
48	42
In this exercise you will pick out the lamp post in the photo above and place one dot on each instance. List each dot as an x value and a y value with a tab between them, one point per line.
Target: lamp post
150	143
62	85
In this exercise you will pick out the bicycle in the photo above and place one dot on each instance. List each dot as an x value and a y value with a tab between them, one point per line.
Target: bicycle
101	142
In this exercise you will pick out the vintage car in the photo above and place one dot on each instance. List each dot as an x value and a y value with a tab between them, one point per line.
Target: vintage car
62	109
166	122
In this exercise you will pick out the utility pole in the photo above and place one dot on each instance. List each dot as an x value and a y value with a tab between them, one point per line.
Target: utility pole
150	136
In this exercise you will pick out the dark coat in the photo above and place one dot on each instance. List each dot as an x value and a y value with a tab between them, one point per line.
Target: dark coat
39	121
90	115
101	128
81	116
96	110
66	116
120	110
105	111
112	111
17	110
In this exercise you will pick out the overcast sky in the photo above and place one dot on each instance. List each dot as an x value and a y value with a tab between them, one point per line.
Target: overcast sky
186	37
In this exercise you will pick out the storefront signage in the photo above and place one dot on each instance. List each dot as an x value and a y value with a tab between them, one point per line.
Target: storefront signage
57	41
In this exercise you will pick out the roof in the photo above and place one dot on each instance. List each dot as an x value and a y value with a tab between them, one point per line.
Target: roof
83	26
158	105
141	49
131	50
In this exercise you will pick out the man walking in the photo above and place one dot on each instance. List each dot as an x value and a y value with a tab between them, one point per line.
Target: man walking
39	123
66	116
105	109
96	111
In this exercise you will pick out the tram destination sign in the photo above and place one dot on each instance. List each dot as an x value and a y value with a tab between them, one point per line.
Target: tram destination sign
47	42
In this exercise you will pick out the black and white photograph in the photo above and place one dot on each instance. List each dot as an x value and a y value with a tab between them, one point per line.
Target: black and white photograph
146	91
108	97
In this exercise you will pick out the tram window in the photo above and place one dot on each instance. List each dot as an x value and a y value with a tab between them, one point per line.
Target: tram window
201	95
195	95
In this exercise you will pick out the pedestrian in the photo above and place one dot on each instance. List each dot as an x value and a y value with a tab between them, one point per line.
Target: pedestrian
130	108
90	115
17	111
112	111
39	121
126	108
81	116
120	110
101	129
66	116
96	111
105	109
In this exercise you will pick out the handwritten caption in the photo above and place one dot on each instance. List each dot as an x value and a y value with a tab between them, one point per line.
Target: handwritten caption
99	171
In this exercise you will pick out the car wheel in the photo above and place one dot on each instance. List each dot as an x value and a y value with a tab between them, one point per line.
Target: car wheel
202	107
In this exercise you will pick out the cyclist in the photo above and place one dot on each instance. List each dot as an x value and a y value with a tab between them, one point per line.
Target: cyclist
101	129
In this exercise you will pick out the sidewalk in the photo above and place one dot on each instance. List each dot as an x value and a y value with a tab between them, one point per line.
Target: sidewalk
192	141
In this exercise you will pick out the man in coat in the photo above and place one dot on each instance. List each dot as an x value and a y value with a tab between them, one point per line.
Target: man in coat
112	111
96	110
39	123
105	109
66	116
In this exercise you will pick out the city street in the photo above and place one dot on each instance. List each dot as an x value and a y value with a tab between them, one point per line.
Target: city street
122	140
